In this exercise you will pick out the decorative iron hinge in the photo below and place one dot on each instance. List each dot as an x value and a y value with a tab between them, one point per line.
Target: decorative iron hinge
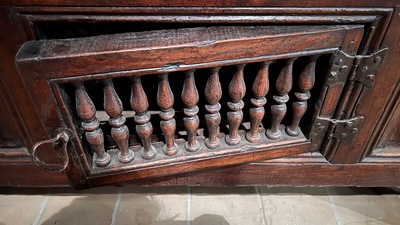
344	130
366	67
341	65
363	68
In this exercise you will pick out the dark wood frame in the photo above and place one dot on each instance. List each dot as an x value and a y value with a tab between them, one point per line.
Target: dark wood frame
383	23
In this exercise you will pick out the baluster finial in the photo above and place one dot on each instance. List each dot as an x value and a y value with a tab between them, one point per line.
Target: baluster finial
144	128
237	90
94	134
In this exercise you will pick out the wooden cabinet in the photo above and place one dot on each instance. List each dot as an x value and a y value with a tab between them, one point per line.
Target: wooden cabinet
180	94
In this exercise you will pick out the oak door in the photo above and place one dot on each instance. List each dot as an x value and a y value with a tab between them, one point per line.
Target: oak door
137	105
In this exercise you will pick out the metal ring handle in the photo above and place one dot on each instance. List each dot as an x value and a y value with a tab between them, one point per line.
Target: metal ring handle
64	138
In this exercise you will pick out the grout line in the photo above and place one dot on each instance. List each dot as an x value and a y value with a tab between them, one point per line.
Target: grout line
328	193
261	206
42	210
189	206
116	206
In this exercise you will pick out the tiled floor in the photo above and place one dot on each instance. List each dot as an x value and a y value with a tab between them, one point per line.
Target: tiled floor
200	206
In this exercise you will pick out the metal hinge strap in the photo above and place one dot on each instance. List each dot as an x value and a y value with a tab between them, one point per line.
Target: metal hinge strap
361	68
342	129
340	68
346	129
367	67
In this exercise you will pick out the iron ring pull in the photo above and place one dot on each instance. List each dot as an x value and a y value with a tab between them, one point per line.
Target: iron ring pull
61	137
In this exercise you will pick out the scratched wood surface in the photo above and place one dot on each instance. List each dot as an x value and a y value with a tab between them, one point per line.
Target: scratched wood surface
29	96
175	48
187	46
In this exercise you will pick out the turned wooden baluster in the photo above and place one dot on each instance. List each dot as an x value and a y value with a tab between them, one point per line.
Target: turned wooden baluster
213	93
190	97
260	89
237	90
119	131
165	99
306	83
283	87
94	134
144	128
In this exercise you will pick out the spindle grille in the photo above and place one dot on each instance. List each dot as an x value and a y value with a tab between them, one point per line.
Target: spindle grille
178	116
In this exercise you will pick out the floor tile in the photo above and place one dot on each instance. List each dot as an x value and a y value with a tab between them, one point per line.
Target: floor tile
20	209
289	205
223	206
153	205
362	206
93	206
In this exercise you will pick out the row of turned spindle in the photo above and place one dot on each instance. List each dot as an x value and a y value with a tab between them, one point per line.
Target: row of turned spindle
190	97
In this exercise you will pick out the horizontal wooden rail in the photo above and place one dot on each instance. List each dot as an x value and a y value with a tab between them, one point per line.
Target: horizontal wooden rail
174	48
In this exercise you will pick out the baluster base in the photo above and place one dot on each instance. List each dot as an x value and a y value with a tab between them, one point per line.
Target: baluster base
253	138
192	148
126	158
294	132
232	141
150	154
170	151
273	135
212	145
103	161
